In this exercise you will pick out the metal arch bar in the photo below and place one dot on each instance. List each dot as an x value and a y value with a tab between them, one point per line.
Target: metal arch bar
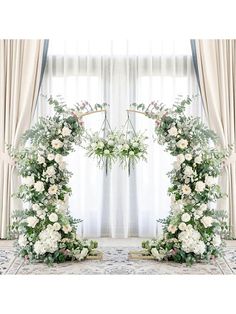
136	111
90	112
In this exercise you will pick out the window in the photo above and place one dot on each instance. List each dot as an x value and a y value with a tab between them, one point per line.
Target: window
119	73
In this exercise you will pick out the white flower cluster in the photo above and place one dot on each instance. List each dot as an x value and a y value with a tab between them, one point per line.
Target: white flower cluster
191	241
48	241
116	145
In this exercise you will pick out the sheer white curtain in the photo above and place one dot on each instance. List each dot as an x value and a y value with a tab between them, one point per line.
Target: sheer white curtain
119	73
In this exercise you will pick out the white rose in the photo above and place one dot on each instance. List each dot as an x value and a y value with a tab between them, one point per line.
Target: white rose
173	131
35	207
185	217
53	217
203	207
53	190
22	241
200	186
58	158
182	226
32	221
216	241
67	229
135	144
186	189
61	206
66	131
62	165
39	187
56	226
176	165
180	158
41	159
188	157
100	145
56	144
198	159
29	181
188	171
50	171
207	221
209	180
110	142
106	152
171	228
182	143
50	157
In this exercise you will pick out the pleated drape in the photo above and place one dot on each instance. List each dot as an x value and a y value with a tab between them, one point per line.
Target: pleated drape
21	70
215	65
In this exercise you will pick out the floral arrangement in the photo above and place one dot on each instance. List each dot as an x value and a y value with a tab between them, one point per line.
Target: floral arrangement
45	229
103	148
193	231
131	148
128	148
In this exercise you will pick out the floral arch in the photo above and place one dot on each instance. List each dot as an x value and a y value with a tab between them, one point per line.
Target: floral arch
192	231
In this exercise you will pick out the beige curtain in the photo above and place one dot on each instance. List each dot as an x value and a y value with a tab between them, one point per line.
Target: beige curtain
20	76
216	71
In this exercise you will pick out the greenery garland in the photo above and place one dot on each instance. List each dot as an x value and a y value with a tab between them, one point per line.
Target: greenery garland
193	231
